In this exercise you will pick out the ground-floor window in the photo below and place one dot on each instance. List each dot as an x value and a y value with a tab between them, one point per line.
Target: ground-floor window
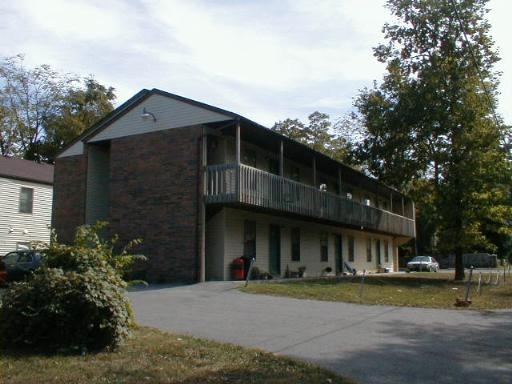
250	239
351	248
324	247
369	250
377	249
386	251
295	238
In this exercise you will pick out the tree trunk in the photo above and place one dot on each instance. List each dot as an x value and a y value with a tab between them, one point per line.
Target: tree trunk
459	265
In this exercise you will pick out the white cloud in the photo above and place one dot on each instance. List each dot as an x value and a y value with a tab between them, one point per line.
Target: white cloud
89	20
265	59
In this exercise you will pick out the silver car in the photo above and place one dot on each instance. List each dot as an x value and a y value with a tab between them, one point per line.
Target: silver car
423	263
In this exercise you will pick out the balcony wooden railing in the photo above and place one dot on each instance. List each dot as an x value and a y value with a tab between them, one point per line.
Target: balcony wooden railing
232	183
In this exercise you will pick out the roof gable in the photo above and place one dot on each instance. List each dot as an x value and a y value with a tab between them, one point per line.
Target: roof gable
168	113
19	169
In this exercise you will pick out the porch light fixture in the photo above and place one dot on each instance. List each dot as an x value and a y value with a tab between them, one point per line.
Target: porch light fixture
146	114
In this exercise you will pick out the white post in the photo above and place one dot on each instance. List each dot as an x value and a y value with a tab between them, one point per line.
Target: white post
281	160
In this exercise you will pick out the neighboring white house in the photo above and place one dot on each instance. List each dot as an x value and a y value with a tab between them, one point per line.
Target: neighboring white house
26	193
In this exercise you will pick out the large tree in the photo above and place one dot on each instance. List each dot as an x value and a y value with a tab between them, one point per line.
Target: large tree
41	110
431	124
80	109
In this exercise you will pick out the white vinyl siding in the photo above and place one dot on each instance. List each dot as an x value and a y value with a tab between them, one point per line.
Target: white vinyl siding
74	150
310	235
169	113
22	228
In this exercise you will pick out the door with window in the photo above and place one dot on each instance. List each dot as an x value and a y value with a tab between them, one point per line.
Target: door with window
274	249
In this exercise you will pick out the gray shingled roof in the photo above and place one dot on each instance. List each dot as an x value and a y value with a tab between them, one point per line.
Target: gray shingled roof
26	170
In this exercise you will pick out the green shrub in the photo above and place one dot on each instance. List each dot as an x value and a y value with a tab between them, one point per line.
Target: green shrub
58	310
75	301
90	250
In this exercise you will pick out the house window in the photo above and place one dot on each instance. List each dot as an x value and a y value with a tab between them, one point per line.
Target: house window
377	246
295	237
26	200
250	239
369	250
273	166
324	247
386	251
249	158
295	176
351	248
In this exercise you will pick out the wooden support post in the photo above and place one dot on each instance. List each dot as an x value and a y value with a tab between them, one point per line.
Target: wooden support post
281	160
237	141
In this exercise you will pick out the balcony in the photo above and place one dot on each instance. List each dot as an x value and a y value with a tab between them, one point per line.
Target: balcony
240	184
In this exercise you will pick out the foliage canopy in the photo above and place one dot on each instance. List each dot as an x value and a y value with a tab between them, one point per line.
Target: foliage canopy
41	111
431	129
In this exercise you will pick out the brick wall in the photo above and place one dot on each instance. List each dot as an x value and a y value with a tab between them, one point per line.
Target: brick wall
153	194
69	196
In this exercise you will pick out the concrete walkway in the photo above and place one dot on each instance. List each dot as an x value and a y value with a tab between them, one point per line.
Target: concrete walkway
371	344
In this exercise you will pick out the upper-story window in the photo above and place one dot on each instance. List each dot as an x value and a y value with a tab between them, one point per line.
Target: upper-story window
26	200
295	174
273	166
249	158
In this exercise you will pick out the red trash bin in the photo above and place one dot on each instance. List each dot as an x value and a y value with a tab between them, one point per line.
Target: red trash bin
237	269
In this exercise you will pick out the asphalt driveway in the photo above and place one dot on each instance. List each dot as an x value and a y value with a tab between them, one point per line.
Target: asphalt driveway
371	344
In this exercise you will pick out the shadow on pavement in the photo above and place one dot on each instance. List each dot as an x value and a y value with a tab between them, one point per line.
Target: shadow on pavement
468	354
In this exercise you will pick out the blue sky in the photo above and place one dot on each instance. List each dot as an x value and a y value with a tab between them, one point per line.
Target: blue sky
266	60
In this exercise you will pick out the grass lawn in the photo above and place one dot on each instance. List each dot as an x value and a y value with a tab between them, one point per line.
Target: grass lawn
431	290
152	356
